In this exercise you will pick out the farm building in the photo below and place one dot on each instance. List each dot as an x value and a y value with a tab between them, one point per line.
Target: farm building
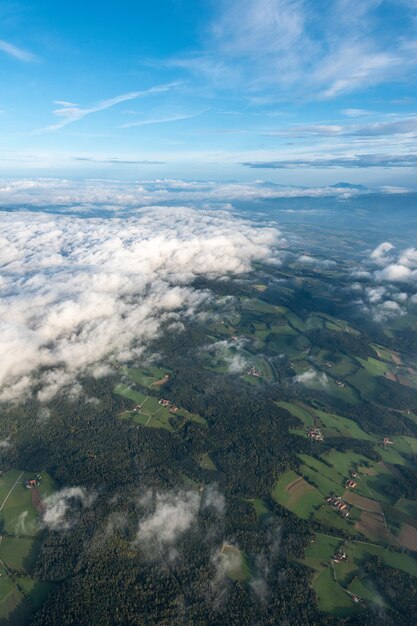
315	433
340	556
338	505
32	483
350	484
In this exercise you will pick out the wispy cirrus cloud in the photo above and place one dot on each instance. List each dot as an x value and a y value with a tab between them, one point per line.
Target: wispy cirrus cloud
17	53
68	112
116	161
355	112
350	161
299	50
402	126
175	117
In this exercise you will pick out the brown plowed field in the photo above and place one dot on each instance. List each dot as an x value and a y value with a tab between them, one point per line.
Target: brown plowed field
372	526
391	468
366	504
296	484
396	359
408	537
297	490
37	500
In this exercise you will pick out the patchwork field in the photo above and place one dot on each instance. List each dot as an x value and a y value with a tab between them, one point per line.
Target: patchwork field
366	504
150	377
295	494
389	524
331	597
149	412
334	582
372	526
321	550
407	537
325	479
299	412
19	544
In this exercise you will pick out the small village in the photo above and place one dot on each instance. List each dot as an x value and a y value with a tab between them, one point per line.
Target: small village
254	372
168	404
315	434
338	505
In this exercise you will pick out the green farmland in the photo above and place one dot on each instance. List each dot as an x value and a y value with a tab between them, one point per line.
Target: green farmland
150	413
294	493
19	544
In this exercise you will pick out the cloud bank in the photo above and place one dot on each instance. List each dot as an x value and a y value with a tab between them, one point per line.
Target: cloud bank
79	294
114	196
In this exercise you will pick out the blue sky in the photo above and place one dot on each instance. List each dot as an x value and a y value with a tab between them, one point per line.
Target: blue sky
292	91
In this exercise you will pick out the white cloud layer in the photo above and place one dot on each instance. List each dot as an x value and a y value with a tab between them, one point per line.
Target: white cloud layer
115	196
77	293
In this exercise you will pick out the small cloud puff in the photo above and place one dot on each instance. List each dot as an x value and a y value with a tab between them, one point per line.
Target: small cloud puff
400	269
396	272
62	508
312	377
172	516
379	254
169	515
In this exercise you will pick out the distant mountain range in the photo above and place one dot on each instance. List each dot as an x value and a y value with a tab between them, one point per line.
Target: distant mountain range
349	186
